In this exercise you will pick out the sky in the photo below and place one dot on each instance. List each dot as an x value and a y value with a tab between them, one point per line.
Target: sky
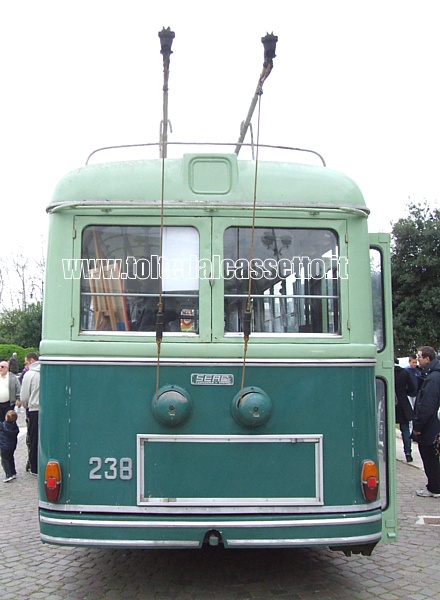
356	81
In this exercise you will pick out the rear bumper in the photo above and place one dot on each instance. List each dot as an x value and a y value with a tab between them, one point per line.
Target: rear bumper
132	531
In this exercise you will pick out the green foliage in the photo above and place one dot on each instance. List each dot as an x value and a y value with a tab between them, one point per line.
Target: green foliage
415	273
21	327
6	351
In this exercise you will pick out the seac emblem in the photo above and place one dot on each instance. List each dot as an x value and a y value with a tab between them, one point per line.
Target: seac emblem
212	379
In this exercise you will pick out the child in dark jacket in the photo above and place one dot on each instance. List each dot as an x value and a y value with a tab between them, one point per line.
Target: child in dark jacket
8	443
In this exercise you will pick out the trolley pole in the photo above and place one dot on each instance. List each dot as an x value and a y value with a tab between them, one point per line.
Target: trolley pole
269	42
166	40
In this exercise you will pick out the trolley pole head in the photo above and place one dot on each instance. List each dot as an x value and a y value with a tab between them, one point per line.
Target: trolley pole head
166	41
269	42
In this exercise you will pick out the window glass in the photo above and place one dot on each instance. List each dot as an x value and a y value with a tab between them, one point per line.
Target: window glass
120	278
294	276
378	300
381	414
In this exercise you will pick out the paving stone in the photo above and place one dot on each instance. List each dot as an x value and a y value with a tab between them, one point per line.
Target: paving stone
405	570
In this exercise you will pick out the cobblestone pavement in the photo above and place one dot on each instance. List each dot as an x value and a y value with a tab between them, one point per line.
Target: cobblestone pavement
408	569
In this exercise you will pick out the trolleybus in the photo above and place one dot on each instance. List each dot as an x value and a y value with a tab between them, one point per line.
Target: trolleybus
216	358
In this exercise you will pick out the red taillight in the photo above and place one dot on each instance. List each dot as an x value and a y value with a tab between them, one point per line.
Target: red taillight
370	480
52	480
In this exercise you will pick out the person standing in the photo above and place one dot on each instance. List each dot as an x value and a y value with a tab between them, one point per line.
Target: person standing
9	390
30	398
426	425
13	364
414	371
22	374
404	388
8	443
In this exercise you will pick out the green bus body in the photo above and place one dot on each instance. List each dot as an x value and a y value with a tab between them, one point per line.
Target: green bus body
201	444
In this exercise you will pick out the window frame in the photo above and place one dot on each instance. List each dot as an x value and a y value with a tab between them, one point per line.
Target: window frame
200	224
211	289
338	227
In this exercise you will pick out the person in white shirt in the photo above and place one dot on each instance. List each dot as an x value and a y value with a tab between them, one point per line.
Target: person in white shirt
9	390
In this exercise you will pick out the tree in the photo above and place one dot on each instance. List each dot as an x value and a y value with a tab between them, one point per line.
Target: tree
415	273
21	279
22	327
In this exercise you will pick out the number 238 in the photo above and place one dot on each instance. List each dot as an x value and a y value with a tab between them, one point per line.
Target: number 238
110	469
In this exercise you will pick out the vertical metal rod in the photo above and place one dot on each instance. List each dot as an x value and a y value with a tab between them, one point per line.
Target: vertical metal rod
166	39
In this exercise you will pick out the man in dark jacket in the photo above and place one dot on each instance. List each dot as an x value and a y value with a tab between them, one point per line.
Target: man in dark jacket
404	387
13	364
414	370
426	425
